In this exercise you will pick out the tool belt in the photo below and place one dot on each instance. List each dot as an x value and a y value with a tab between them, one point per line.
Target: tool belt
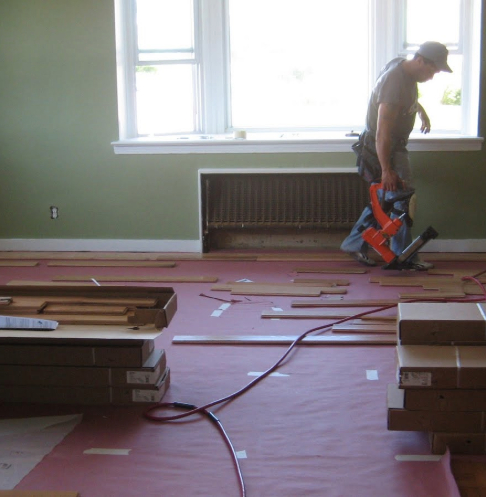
367	161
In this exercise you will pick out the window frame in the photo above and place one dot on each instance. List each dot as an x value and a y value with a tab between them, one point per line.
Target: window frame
214	133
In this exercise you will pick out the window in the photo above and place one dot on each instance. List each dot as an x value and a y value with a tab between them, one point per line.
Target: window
201	69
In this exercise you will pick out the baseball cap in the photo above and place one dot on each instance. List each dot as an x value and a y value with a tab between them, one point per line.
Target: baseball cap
436	53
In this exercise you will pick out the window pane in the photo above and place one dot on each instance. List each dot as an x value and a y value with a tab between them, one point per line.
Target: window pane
164	25
165	102
298	63
433	20
442	98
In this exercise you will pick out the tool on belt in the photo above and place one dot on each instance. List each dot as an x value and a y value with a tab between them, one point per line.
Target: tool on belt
379	238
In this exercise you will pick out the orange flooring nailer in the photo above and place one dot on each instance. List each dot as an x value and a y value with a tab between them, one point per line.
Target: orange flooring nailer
379	238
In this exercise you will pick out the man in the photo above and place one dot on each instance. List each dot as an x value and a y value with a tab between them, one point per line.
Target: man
381	150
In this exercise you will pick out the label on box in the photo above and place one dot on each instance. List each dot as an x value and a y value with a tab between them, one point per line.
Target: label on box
146	395
143	377
416	379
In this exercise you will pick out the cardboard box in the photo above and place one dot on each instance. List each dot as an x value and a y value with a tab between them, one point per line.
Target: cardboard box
142	321
445	400
130	395
441	323
53	394
458	443
401	419
106	353
439	366
144	377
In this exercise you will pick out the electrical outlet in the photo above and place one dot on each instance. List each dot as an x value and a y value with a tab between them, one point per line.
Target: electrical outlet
54	212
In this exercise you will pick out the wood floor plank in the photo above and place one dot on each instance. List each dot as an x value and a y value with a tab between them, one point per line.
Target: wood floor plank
344	303
18	263
107	263
160	279
331	270
323	281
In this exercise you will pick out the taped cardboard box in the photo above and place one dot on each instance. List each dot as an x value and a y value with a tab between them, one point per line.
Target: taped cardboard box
458	443
445	400
439	366
441	323
142	377
53	394
77	352
401	419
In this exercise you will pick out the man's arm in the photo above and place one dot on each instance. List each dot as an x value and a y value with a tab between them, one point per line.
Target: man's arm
387	116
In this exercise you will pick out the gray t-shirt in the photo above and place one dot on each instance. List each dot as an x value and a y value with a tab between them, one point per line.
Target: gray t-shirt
394	86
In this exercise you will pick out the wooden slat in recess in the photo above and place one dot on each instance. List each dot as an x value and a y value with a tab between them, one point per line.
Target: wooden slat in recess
110	310
354	339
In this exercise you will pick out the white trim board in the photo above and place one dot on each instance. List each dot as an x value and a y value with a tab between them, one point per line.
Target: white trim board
96	245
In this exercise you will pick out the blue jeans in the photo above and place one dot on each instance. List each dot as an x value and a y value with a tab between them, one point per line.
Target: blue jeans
354	241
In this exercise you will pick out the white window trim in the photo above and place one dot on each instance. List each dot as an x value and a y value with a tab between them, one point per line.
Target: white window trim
313	142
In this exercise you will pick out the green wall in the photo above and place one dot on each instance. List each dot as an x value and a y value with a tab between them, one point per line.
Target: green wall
58	117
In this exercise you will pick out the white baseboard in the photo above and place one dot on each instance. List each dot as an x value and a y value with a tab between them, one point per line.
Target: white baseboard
70	245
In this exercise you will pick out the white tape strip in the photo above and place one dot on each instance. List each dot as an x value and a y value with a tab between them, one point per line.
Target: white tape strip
108	452
418	457
241	454
258	373
223	307
371	374
277	309
244	280
216	313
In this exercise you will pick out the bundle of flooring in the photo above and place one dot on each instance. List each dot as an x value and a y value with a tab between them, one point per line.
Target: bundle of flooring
441	375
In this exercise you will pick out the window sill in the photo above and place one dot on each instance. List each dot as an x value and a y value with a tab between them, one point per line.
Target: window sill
278	144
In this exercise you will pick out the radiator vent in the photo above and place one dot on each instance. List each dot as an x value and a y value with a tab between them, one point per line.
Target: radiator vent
287	200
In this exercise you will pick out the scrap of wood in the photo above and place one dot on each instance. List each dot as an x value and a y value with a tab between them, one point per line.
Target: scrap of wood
305	314
331	270
354	339
108	263
410	280
435	294
160	279
321	281
303	291
337	257
18	263
225	256
344	303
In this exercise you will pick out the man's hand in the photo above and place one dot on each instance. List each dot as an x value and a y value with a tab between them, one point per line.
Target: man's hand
425	127
390	181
